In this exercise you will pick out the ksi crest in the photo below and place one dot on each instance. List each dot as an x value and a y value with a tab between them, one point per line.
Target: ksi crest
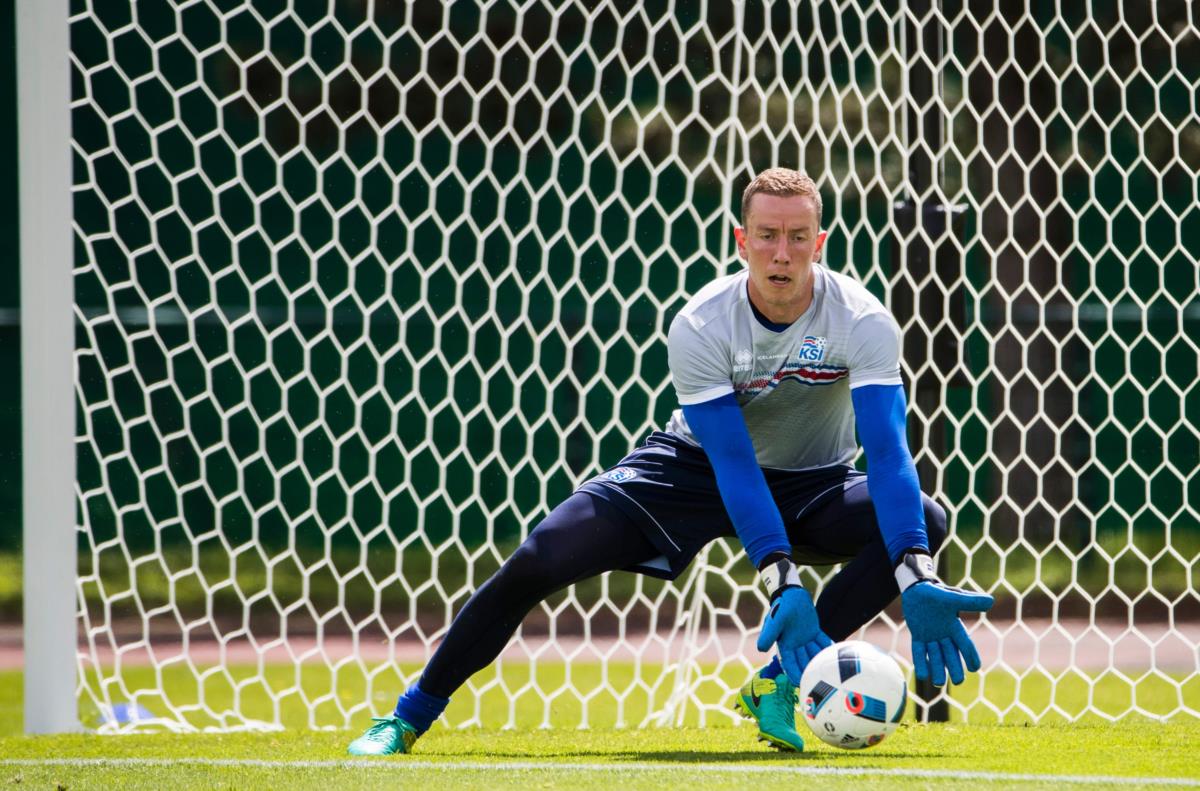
812	348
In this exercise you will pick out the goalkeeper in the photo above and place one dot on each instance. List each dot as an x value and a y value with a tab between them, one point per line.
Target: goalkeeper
775	367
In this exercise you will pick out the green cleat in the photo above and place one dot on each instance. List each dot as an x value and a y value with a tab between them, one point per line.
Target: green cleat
389	735
771	703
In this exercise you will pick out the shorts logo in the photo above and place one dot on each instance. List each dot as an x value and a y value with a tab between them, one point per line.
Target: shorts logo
621	474
812	348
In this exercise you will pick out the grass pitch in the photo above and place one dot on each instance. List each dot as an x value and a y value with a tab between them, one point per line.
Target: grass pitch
514	694
1135	753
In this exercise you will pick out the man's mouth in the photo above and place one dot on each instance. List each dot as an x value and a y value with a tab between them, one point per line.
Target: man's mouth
780	280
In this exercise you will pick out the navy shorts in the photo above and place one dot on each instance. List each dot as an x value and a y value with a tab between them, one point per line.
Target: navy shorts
668	489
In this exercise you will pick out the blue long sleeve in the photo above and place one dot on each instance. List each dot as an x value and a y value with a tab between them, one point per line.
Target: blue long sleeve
722	432
879	414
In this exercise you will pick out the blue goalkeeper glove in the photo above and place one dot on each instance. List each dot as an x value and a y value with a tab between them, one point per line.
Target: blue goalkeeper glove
931	608
791	621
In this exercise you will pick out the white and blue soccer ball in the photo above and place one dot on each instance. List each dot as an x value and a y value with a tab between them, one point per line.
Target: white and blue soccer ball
853	695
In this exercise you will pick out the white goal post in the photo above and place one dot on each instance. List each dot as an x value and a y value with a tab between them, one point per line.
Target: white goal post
362	289
47	337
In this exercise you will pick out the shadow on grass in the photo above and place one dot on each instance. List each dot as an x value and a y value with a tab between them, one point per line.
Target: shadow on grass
749	755
691	756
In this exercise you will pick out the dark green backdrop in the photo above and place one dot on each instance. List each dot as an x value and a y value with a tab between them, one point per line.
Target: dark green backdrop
294	373
10	372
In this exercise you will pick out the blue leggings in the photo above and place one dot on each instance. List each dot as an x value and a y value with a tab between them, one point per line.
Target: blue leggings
586	536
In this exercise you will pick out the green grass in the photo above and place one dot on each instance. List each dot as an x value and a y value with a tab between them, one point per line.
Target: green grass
721	755
1101	750
615	696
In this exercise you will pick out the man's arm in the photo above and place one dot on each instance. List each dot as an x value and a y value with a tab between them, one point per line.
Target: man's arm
879	415
792	620
939	641
722	432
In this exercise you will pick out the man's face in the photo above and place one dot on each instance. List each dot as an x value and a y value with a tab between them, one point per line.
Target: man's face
779	244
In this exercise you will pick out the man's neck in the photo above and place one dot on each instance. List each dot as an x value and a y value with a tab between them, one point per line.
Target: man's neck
783	315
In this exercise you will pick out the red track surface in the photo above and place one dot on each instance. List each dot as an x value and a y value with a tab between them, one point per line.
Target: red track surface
1035	642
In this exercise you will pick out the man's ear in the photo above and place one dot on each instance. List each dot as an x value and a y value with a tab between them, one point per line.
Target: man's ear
820	243
740	235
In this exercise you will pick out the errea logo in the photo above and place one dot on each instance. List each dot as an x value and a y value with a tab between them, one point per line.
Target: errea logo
742	360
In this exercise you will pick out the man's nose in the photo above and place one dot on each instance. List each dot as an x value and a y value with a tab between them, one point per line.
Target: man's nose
780	254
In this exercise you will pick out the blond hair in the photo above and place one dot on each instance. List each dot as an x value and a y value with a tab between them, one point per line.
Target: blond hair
783	182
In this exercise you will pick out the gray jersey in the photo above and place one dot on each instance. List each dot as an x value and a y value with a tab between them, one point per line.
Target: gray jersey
793	386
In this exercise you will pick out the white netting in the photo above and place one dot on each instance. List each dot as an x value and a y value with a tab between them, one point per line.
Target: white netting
365	288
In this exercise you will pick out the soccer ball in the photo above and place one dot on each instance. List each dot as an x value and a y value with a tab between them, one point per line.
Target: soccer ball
853	695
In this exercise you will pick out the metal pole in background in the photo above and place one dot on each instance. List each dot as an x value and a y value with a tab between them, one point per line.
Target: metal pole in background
47	346
924	244
732	139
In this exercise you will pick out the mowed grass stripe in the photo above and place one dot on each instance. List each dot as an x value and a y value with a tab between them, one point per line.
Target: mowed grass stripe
511	695
406	765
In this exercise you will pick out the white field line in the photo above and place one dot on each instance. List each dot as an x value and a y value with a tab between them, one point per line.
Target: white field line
405	765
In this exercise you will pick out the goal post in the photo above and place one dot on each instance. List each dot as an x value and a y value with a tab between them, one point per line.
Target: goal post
361	290
47	380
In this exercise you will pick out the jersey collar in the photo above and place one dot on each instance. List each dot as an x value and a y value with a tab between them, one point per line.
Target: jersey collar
818	289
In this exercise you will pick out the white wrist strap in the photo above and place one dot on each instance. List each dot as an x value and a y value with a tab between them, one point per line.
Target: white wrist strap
780	574
914	568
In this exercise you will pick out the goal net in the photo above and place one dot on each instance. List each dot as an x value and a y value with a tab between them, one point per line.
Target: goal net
363	289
